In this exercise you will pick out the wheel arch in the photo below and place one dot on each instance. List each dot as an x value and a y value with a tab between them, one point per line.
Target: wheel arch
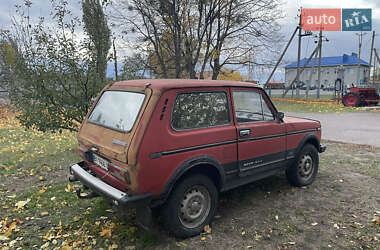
203	164
308	139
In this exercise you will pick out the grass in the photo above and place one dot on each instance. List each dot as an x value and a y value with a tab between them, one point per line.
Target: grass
314	106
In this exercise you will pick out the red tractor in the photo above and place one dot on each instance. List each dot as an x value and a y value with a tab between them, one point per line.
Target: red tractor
360	97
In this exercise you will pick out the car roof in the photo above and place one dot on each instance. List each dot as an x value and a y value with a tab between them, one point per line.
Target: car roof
162	84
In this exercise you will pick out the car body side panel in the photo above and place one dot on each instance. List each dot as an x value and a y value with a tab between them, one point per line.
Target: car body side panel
163	149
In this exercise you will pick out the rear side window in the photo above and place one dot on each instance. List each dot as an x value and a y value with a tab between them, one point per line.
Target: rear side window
117	110
200	110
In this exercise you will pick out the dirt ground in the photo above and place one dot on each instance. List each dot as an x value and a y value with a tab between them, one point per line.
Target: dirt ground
338	211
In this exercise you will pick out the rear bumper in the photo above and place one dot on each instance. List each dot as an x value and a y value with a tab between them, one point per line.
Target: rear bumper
101	188
322	148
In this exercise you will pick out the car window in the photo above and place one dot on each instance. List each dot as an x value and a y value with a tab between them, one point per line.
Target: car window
200	110
250	106
117	110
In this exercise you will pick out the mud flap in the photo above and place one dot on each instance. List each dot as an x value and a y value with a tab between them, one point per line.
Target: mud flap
144	217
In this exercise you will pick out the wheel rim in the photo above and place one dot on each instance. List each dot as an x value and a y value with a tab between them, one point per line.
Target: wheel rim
350	100
305	167
195	206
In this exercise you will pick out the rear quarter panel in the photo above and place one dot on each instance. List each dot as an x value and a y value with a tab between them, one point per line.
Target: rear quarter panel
153	174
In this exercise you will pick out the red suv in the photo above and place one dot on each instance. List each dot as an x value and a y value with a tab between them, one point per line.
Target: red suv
176	144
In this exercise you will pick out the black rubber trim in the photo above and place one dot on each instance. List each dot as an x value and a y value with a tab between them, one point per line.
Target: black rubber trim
159	154
322	148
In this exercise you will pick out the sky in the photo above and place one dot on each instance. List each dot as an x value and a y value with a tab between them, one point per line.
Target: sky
339	42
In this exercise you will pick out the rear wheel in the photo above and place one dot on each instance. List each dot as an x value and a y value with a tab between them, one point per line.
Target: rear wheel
305	169
351	100
191	206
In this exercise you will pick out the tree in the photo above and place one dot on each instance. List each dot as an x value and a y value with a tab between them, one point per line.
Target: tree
96	27
195	34
56	73
229	74
134	67
7	59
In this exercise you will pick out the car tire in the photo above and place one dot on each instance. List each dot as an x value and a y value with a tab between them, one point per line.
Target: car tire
190	206
304	170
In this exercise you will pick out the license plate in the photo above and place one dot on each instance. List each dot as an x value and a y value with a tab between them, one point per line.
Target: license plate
103	163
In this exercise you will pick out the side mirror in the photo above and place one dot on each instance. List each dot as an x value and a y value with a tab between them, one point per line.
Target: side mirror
280	116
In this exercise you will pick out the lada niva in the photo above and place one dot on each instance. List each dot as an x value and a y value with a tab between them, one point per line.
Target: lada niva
176	144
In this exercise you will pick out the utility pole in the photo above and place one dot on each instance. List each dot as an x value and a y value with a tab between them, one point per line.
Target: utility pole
370	58
282	55
378	60
319	65
290	86
311	75
360	47
374	71
298	57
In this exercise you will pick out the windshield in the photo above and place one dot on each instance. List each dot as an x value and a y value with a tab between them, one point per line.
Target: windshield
117	110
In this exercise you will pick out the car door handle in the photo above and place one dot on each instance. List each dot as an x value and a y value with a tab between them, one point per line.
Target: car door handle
245	132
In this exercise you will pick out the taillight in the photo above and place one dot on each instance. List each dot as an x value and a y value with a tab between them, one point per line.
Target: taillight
120	173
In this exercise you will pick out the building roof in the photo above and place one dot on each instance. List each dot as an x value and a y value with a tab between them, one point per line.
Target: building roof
182	83
331	61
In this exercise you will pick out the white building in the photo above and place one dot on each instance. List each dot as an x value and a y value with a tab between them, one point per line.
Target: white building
330	71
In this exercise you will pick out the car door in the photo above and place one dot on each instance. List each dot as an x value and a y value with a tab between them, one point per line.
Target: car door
261	136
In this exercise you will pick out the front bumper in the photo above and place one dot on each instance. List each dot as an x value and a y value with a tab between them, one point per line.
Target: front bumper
119	198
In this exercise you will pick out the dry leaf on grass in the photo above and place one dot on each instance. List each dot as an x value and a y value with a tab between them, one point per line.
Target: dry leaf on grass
68	188
21	204
207	229
44	213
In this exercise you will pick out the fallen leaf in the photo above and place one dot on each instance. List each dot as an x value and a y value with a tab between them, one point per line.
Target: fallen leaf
76	218
376	220
207	229
11	229
203	238
42	178
106	232
46	245
21	204
181	244
43	190
44	213
114	246
68	188
3	237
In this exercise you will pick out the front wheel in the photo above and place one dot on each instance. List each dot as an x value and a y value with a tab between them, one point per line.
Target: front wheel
305	169
191	206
